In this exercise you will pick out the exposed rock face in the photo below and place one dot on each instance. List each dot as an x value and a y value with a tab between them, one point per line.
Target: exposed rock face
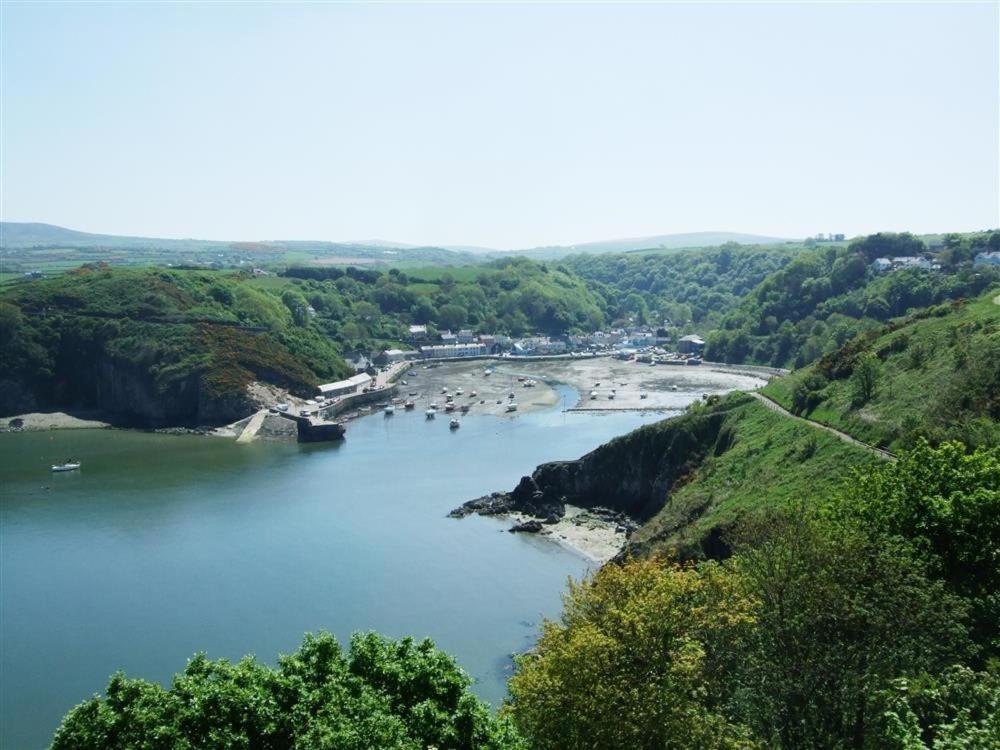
626	481
129	395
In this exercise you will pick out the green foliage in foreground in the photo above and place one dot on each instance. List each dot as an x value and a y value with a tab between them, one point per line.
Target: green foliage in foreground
933	375
858	623
380	695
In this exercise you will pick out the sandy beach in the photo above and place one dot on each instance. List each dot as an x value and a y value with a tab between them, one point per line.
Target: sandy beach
54	420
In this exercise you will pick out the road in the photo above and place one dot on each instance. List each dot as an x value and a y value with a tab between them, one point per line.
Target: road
775	406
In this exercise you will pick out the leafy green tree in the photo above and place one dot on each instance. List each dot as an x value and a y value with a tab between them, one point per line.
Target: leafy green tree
865	376
958	710
840	614
628	665
382	694
452	316
947	501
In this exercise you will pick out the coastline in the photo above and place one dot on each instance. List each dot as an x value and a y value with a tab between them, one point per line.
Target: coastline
55	420
581	532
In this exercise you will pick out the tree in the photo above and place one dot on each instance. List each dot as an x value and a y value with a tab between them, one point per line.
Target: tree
947	501
864	377
452	316
382	694
628	664
840	615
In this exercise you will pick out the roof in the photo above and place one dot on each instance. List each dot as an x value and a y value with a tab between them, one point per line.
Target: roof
418	329
693	339
394	352
341	385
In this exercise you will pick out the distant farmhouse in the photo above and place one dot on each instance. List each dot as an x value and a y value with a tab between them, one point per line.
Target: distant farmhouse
691	344
881	265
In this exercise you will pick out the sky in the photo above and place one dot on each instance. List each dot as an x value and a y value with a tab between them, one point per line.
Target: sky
501	125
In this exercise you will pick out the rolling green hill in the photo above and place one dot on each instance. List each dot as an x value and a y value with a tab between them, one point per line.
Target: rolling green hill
823	298
933	374
153	346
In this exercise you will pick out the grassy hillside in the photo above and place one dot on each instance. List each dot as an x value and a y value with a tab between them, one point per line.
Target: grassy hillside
934	374
759	461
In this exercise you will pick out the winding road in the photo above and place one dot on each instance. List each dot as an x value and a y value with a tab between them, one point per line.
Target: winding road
776	407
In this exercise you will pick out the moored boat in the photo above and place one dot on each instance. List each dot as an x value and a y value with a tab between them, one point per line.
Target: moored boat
454	424
70	464
409	405
389	409
430	413
512	406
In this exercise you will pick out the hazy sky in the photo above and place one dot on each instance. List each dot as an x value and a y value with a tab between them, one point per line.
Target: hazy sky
502	125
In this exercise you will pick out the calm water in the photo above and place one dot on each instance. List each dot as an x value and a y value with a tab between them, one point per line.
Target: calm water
163	546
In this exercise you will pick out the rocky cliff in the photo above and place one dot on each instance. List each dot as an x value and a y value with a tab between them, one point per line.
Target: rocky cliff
632	476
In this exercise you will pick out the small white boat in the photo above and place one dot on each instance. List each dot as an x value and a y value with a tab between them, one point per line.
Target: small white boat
473	394
643	395
674	388
593	395
403	382
449	406
409	405
389	409
454	424
611	396
444	390
430	413
459	392
433	405
512	406
487	373
69	465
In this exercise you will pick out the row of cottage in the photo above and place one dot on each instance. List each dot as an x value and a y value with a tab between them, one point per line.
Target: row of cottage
465	343
881	265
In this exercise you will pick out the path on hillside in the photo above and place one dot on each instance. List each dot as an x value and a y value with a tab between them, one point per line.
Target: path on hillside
775	406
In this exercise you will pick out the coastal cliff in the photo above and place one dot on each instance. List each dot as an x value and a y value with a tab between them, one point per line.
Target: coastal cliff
679	484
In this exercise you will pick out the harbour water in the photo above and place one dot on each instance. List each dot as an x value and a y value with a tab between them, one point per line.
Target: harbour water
163	546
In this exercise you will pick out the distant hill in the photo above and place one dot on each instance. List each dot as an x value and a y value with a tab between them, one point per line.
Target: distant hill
29	234
687	239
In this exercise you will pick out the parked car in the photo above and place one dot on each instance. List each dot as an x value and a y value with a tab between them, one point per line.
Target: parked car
281	407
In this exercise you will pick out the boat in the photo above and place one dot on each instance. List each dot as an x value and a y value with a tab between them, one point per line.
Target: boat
643	395
450	406
403	382
434	405
465	408
520	379
413	393
444	390
593	395
473	394
389	409
674	388
409	405
430	413
611	396
459	392
454	424
487	373
512	406
69	465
